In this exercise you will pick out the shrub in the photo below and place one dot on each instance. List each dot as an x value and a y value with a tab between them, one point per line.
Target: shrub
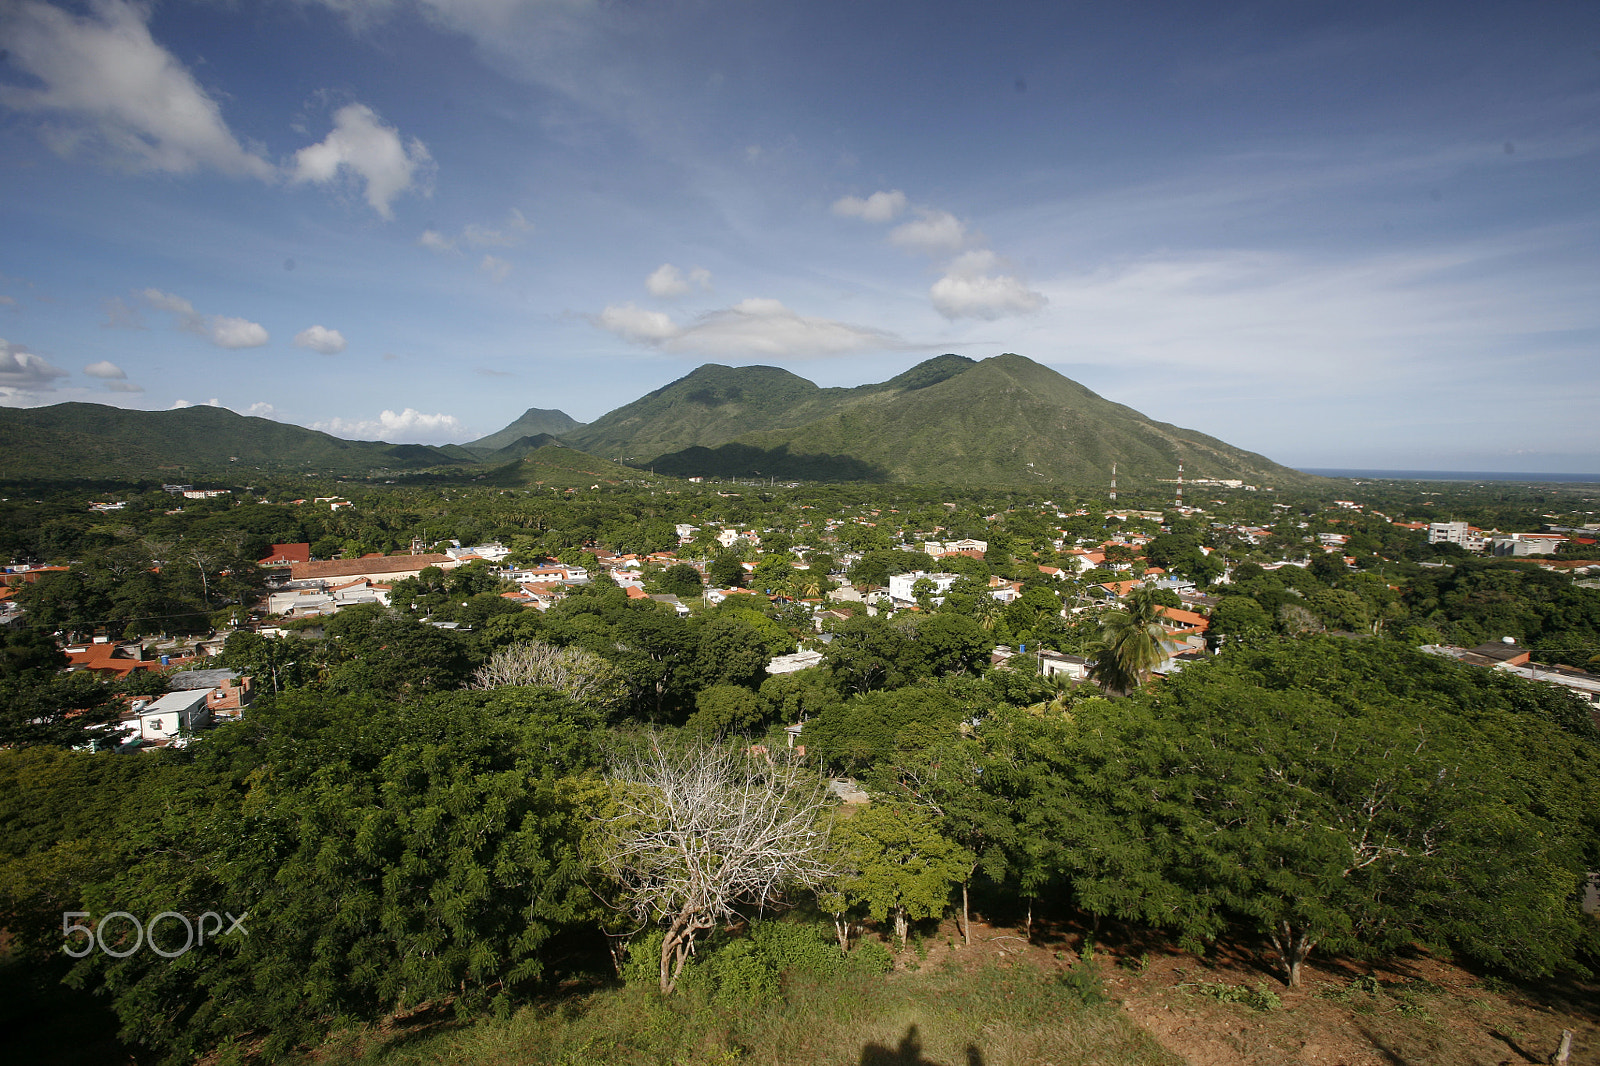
801	948
734	973
1083	980
871	958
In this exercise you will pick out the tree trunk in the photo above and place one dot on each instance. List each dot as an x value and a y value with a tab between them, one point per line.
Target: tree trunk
966	917
1027	925
677	946
900	926
841	929
617	947
1292	945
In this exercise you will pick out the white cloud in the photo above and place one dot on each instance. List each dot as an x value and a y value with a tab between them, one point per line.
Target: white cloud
7	301
751	327
496	268
360	146
117	92
261	409
224	331
668	281
178	405
409	426
320	339
933	232
636	325
229	332
105	369
879	207
972	287
21	370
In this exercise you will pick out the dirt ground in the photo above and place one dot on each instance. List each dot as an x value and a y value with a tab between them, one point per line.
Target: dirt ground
1230	1009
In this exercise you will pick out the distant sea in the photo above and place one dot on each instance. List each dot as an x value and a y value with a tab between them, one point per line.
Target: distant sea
1448	475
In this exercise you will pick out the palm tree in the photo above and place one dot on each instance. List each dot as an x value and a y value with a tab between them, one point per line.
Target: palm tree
987	609
805	585
1060	699
1132	644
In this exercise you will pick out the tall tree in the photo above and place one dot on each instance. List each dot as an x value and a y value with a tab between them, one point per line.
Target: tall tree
1132	644
703	832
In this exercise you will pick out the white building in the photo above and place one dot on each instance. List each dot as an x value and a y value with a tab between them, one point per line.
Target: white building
800	660
545	575
173	713
1448	532
1526	543
900	585
1051	663
935	547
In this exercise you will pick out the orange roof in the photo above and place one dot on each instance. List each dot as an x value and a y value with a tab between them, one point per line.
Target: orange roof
383	564
636	593
102	659
1185	618
287	553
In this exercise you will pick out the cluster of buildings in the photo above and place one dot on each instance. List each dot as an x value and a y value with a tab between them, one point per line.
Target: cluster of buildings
1494	542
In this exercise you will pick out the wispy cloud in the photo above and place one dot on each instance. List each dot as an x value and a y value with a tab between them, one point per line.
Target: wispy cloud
667	281
509	234
224	331
753	327
407	426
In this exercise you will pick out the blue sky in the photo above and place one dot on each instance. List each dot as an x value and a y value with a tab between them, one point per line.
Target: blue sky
1340	234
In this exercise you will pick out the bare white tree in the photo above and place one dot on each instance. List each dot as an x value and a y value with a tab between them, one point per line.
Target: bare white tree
708	830
582	675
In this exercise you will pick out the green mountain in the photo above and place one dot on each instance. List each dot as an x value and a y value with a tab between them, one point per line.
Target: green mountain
716	404
1005	421
534	422
93	440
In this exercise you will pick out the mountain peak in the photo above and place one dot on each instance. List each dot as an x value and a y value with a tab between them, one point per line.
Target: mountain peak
533	422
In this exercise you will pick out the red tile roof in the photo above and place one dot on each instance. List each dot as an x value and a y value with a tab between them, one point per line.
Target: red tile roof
331	569
284	554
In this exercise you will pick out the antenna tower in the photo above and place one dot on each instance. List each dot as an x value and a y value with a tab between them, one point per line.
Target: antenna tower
1113	482
1180	482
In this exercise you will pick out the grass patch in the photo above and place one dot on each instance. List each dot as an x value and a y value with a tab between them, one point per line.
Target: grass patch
1365	994
993	1016
1257	997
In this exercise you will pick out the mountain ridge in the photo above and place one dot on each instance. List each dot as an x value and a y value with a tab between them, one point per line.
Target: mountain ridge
1006	420
88	439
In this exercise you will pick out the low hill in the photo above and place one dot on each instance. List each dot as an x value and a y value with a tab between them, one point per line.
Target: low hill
93	440
1005	421
517	448
534	422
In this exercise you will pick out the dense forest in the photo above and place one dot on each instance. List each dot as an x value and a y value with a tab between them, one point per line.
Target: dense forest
472	814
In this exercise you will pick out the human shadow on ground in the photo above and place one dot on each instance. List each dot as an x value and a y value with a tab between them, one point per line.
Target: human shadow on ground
909	1053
